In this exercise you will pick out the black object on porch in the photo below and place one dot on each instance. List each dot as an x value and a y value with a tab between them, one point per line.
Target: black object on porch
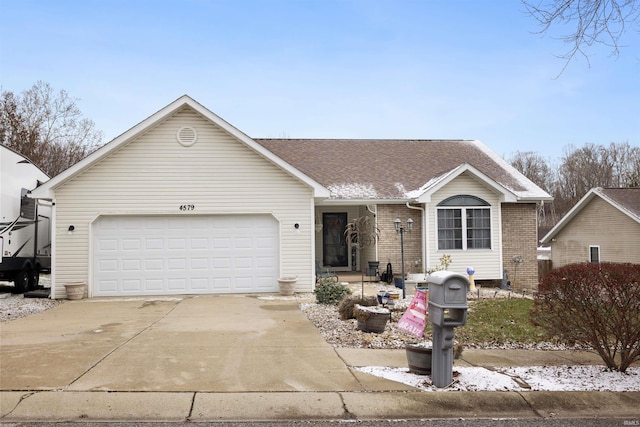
387	276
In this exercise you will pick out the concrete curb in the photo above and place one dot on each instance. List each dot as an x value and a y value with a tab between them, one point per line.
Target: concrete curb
322	406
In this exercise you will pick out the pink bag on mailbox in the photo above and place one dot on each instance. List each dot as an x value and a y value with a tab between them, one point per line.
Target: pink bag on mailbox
414	319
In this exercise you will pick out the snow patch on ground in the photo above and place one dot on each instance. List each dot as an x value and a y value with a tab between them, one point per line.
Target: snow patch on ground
530	378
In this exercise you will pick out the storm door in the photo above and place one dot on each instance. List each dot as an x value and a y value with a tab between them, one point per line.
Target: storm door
335	251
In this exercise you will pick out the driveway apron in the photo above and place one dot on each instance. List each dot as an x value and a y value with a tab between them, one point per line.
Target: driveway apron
217	343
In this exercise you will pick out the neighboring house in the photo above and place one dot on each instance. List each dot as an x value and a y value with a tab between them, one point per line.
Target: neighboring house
184	203
604	226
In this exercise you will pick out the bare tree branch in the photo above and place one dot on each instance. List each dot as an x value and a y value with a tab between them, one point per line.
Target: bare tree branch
46	127
592	22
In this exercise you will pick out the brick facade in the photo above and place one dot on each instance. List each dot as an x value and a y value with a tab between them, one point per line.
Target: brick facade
389	244
520	239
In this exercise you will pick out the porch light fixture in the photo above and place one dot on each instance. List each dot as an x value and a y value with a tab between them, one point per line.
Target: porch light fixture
397	223
70	229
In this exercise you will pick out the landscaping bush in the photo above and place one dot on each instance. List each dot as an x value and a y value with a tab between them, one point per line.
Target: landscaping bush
328	291
345	307
593	304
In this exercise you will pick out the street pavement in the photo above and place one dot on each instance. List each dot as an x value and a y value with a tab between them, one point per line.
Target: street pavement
240	358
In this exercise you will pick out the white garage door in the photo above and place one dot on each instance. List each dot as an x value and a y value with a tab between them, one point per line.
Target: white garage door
159	255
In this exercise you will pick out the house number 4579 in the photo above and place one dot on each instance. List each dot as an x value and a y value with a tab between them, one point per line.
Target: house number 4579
187	207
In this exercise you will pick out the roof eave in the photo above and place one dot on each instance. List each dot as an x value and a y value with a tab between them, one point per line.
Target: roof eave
424	196
363	202
48	188
528	199
569	215
622	208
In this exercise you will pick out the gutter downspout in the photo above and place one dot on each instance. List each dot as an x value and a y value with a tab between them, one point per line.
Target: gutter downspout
375	217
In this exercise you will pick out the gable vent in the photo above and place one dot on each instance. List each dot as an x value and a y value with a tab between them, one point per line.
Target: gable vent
187	136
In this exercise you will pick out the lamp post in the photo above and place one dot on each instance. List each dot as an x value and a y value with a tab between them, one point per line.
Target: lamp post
400	229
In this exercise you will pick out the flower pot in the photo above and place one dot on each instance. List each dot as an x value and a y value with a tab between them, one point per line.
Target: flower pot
371	319
75	290
287	285
375	323
419	358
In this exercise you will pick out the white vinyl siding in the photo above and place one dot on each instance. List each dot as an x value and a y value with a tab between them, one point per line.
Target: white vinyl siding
486	262
155	175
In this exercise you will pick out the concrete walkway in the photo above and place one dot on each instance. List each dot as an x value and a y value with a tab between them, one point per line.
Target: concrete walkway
237	358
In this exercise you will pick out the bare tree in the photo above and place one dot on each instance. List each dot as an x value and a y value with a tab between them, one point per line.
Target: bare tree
626	165
46	127
537	169
591	166
580	170
14	131
534	167
592	21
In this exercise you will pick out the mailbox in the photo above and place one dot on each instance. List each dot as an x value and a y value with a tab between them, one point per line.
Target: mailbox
447	298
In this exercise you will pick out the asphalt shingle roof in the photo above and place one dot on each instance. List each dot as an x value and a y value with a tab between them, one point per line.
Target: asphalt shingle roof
388	169
627	198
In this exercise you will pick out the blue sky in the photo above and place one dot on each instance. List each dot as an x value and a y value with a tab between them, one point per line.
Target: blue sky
328	69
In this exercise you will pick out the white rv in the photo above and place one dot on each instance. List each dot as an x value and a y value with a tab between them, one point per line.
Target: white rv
25	223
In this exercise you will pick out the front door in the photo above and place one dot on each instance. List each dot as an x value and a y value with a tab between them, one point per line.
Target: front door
335	251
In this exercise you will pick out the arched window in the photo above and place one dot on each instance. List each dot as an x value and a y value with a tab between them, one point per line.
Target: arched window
472	233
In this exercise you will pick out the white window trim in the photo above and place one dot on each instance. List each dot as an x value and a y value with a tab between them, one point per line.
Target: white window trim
599	253
464	227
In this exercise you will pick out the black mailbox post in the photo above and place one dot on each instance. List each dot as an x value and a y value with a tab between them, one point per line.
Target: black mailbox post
447	309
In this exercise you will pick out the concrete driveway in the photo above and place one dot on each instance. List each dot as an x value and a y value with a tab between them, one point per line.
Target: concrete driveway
231	358
226	343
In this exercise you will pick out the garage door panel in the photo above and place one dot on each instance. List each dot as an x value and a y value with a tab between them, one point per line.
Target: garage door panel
154	285
220	262
197	244
200	283
154	264
109	285
131	244
177	244
108	245
199	263
108	265
185	254
177	264
154	244
131	284
177	284
219	243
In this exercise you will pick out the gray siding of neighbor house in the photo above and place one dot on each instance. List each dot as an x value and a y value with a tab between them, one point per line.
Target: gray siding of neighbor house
597	224
154	175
